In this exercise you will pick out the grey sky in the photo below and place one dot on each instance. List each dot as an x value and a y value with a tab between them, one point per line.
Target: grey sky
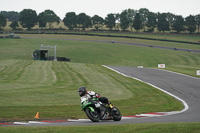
103	7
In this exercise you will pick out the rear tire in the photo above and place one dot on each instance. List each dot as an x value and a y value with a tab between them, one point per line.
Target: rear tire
93	116
117	116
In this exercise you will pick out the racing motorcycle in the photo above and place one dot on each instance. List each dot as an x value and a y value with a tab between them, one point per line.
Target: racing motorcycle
96	110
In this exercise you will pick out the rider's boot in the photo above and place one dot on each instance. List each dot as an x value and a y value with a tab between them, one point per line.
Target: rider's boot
110	105
111	109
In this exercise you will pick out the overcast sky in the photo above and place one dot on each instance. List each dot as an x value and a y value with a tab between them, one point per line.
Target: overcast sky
103	7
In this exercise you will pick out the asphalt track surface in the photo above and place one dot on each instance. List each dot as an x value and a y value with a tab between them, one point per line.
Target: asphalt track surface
185	87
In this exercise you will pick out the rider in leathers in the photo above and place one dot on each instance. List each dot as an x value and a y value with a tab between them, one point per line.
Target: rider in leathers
84	94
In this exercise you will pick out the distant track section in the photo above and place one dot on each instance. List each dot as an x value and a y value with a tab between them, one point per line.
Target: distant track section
126	43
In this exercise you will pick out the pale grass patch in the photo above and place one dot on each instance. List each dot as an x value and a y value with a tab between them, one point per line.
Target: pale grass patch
30	83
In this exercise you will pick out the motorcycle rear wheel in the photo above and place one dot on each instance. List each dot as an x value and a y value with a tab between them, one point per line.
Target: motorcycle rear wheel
117	116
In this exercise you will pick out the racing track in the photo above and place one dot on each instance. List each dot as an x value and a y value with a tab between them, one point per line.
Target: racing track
185	87
182	86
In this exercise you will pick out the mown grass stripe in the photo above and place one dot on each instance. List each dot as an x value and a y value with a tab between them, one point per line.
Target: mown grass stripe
15	70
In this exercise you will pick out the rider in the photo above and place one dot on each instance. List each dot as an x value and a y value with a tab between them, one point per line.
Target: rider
84	94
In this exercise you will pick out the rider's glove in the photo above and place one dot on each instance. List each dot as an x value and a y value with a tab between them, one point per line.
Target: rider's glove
97	95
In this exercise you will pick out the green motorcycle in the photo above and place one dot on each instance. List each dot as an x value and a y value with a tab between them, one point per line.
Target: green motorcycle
96	110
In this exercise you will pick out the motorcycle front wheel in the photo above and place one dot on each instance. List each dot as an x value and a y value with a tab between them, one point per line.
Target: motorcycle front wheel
93	116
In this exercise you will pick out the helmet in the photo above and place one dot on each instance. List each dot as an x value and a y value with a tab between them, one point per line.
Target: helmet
82	91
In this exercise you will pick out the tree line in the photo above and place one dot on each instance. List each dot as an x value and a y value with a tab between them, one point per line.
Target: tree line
141	19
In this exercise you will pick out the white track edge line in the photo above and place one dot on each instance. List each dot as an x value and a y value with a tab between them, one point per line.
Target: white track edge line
21	123
36	122
186	107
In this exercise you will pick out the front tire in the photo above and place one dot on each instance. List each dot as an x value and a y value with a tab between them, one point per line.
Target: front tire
93	116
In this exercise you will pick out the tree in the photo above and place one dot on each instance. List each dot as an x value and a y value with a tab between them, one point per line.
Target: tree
97	21
84	20
11	15
2	21
131	15
28	18
178	24
117	20
117	17
197	18
110	21
124	22
163	23
151	21
143	16
170	18
190	23
48	17
14	25
70	20
137	23
41	20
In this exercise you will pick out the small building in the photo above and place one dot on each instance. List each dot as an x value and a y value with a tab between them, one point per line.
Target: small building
43	54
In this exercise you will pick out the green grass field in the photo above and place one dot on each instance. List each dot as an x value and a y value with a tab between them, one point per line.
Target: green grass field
125	128
157	35
159	43
50	88
107	53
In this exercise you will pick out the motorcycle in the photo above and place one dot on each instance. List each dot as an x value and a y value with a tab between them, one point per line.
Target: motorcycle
96	110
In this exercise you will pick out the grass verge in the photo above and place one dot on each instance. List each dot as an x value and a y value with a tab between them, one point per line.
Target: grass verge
139	128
